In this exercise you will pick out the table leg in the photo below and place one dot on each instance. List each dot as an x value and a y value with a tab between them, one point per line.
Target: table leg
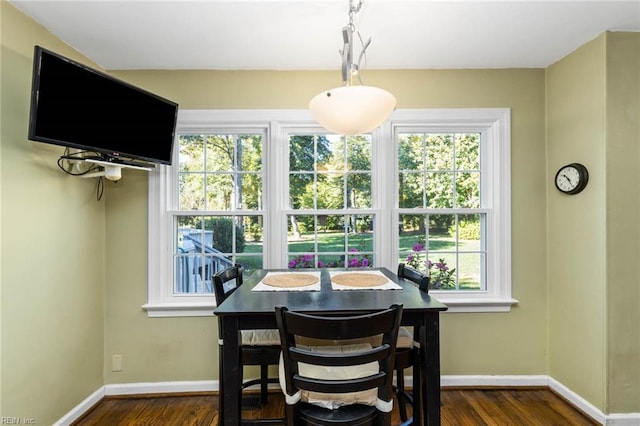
220	382
230	386
430	350
418	379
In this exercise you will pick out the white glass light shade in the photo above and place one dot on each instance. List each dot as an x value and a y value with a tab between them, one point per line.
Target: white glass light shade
351	110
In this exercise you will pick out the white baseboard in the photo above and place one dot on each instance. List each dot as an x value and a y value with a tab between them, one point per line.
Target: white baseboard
161	387
579	402
81	408
471	381
631	419
616	419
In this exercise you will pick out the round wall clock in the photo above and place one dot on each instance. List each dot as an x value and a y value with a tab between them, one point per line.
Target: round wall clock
572	178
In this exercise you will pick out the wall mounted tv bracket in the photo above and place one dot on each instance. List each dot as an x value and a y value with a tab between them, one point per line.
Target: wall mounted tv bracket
112	170
108	167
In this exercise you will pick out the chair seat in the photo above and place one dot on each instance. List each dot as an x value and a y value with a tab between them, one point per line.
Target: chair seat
405	337
258	347
333	401
353	415
260	337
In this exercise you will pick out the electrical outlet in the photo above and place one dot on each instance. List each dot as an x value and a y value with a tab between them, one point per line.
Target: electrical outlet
116	363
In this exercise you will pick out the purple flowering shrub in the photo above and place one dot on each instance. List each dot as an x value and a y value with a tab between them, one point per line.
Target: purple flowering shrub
354	260
441	276
302	261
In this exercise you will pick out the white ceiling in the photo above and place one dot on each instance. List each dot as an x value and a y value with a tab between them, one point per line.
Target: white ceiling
306	34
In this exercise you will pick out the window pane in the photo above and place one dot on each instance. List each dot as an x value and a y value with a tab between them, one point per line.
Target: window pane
332	239
411	190
249	253
331	192
469	271
191	155
469	231
250	263
358	190
301	153
300	231
442	272
330	260
250	194
226	234
301	190
439	190
439	152
359	153
220	153
250	153
468	151
219	192
412	247
468	190
196	260
191	191
410	152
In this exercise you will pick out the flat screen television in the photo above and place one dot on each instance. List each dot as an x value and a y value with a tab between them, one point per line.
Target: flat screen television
75	106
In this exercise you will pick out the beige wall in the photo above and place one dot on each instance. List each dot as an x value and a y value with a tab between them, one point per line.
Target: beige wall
622	155
576	249
53	249
506	343
593	114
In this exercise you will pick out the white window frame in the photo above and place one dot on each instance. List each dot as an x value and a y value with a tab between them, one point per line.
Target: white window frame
494	123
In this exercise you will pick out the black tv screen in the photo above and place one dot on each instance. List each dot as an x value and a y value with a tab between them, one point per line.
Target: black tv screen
76	106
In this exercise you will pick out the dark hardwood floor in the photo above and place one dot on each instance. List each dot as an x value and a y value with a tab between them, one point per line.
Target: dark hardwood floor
460	407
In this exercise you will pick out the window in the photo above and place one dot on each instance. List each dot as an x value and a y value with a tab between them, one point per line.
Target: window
441	225
270	189
330	221
218	220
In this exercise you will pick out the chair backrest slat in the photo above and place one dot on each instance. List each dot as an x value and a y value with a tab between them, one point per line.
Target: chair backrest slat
339	386
335	360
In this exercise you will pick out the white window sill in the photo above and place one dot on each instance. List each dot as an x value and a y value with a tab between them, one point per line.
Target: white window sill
477	303
182	309
455	303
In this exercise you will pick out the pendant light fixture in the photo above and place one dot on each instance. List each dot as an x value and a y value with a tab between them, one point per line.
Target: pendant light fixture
349	109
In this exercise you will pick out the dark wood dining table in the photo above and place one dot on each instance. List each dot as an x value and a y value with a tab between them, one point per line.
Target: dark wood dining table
246	309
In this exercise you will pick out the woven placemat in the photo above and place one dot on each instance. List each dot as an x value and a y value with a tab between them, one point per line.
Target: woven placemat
359	279
290	280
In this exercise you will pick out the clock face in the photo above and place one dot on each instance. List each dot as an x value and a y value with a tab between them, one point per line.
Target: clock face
572	178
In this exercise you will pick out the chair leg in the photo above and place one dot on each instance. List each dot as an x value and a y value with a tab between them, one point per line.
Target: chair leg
264	383
402	406
290	415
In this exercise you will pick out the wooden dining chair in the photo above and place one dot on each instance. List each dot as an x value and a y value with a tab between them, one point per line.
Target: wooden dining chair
408	350
257	347
338	384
